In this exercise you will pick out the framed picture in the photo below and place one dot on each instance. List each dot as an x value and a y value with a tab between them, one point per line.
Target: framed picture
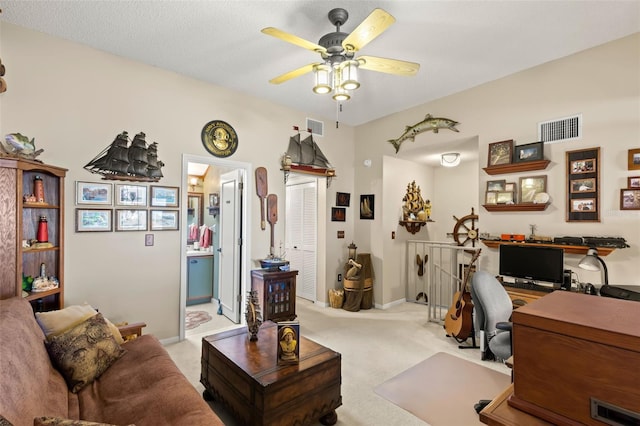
531	186
583	166
214	200
634	159
343	199
496	185
367	206
94	193
510	186
131	195
529	152
491	197
505	197
500	153
338	214
630	199
633	182
164	196
164	220
583	205
131	220
583	185
94	220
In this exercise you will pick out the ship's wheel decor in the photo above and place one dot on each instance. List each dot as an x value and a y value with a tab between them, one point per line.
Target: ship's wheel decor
465	229
136	162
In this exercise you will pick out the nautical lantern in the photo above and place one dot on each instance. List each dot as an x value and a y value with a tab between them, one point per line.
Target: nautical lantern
352	250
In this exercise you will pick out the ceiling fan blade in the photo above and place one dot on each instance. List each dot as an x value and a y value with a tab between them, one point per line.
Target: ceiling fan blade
374	25
290	38
389	66
293	74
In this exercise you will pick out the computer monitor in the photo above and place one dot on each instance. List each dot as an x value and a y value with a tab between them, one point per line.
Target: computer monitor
532	263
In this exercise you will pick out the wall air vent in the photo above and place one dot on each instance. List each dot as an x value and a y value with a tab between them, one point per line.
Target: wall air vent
317	127
561	129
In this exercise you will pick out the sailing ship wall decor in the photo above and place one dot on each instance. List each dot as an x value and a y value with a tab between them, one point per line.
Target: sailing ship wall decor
305	156
121	160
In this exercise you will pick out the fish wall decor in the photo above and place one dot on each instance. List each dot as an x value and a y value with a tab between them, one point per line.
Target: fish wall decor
429	123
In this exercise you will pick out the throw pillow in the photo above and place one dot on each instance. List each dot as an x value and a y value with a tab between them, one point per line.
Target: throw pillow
56	421
83	353
4	422
54	323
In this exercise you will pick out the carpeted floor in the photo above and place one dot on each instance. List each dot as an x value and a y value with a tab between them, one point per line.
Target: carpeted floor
376	345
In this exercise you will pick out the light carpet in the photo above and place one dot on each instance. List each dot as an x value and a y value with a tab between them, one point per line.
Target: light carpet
442	389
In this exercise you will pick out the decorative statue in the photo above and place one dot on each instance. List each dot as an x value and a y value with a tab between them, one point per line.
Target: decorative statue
253	315
18	145
354	271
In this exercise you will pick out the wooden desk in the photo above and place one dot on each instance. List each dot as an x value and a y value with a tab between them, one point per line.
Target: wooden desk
245	377
522	296
500	413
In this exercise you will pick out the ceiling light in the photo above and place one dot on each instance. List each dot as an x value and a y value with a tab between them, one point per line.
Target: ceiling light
323	79
349	75
450	159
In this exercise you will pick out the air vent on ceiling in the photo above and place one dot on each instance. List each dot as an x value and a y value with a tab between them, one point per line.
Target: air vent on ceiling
317	127
561	129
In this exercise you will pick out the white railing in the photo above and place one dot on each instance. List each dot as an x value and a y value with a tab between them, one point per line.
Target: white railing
442	276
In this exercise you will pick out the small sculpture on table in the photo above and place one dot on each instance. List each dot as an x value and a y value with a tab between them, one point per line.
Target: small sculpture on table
253	315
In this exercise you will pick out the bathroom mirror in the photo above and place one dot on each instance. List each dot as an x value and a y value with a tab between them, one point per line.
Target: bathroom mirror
195	216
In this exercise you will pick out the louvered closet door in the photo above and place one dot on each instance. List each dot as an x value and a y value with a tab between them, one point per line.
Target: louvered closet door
301	235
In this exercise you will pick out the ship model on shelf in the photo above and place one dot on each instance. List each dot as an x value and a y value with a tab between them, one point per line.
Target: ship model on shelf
305	156
121	160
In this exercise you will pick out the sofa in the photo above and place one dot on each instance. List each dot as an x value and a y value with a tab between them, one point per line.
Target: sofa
141	386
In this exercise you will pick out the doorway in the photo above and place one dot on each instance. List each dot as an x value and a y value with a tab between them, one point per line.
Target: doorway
230	261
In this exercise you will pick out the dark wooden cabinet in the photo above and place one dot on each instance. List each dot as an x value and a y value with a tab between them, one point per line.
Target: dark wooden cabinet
276	293
19	224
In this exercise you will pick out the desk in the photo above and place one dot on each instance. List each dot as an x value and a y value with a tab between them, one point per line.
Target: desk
522	296
500	413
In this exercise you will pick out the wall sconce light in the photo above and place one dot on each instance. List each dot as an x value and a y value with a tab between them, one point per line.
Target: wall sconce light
450	159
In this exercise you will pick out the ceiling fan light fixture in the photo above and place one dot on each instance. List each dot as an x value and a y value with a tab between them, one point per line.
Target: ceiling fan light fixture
349	75
450	159
322	75
340	94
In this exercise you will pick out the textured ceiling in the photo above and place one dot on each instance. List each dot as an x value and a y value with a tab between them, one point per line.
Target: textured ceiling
459	44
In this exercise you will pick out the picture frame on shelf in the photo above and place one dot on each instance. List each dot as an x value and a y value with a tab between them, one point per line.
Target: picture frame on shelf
491	197
530	186
165	196
505	197
338	214
500	153
496	185
633	182
343	199
164	220
94	220
131	220
98	193
131	195
583	205
528	152
583	185
633	162
510	186
630	199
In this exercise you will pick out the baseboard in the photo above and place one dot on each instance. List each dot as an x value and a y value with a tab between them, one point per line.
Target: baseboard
391	304
170	340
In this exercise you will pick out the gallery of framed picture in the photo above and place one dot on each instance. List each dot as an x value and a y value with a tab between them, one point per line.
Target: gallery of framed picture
583	185
130	213
630	196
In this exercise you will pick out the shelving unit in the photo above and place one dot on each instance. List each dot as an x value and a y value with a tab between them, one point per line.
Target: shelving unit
526	166
602	251
522	207
20	223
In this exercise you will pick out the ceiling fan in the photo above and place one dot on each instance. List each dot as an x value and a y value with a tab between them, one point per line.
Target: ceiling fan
338	71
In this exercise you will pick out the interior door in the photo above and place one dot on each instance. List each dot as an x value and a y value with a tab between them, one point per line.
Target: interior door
301	234
231	195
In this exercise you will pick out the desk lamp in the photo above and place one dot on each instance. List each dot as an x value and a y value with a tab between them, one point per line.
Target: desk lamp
590	263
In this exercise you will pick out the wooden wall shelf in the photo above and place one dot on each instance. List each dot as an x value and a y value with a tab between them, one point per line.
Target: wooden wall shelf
522	207
602	251
526	166
413	226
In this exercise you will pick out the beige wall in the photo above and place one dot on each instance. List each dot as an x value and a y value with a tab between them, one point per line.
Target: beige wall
74	100
602	84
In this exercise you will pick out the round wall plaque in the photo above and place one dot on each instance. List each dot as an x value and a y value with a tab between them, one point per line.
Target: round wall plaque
219	138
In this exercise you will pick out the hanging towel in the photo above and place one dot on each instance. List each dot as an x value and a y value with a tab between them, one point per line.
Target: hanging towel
193	232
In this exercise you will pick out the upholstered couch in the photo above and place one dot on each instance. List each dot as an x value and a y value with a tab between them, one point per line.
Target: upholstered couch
141	386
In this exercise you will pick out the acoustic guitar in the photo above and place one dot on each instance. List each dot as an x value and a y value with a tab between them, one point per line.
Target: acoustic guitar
458	322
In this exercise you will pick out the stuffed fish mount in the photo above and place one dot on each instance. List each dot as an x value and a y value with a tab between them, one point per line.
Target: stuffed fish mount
429	123
19	146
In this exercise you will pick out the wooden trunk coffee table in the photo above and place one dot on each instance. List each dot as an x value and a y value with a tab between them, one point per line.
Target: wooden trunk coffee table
245	377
